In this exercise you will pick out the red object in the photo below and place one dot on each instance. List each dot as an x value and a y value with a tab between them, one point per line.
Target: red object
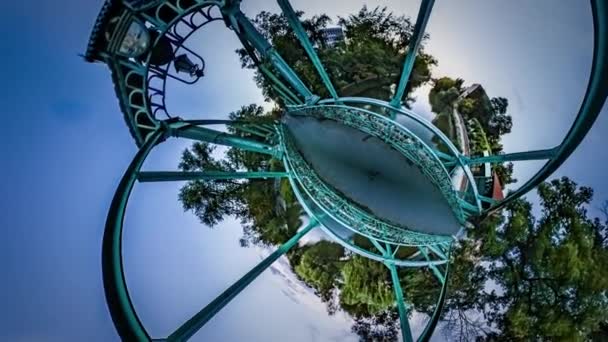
497	188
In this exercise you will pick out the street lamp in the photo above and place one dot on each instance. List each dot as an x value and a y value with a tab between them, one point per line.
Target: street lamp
135	41
183	64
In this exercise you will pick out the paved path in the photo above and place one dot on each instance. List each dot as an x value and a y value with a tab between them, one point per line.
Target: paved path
372	174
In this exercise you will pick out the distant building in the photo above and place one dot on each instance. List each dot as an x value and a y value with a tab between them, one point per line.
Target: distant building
333	35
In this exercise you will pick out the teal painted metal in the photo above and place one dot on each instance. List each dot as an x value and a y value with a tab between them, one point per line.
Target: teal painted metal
437	250
406	332
282	87
321	216
189	328
171	176
293	20
595	97
349	214
141	101
245	28
433	268
223	138
427	124
121	308
401	139
517	156
423	17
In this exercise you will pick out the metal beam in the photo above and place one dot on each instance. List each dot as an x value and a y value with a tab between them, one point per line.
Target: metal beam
427	333
595	96
189	328
293	20
171	176
244	27
433	267
406	332
517	156
423	17
288	93
127	324
223	138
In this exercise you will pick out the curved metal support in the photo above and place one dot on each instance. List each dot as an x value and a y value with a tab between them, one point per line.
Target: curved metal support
401	139
595	96
223	138
348	214
423	17
190	328
247	32
347	244
125	319
293	20
406	332
121	308
172	176
427	333
517	156
458	157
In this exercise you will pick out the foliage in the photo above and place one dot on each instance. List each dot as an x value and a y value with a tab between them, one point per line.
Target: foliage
551	271
371	56
254	201
366	288
444	93
319	267
210	201
382	327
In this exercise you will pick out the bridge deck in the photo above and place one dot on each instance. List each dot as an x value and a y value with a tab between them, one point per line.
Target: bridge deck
372	174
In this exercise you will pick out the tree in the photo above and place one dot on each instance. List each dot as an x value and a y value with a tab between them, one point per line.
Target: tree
444	94
254	201
368	62
210	201
464	299
552	271
319	267
499	105
366	289
382	327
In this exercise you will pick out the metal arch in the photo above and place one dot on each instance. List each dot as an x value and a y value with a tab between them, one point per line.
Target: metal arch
595	96
127	324
162	73
122	311
148	131
408	64
293	20
133	78
345	243
347	213
354	248
248	34
402	306
401	139
458	157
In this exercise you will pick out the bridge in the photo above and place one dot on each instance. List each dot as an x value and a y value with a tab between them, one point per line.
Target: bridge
143	43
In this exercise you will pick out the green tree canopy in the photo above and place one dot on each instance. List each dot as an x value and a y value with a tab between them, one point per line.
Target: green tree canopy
551	271
366	289
367	63
320	265
254	201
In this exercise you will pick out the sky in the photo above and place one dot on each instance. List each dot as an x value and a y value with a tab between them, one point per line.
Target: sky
65	147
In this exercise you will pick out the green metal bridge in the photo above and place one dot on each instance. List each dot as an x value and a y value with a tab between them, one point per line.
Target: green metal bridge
139	40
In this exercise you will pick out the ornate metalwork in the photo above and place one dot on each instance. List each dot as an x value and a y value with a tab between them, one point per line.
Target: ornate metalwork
398	137
138	39
347	212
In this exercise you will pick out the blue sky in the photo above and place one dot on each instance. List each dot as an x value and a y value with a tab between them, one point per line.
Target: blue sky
65	147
